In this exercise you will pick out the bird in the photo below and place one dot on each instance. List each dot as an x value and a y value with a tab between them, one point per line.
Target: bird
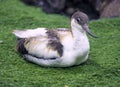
60	47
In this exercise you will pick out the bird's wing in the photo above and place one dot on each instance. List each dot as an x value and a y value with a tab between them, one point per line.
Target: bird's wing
30	33
64	34
47	46
63	31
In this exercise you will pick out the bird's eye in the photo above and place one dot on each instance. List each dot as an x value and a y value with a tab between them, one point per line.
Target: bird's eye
78	20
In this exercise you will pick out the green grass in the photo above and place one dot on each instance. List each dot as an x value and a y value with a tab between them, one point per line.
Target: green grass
101	70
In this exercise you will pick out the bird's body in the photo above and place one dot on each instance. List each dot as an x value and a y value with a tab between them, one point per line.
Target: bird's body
59	47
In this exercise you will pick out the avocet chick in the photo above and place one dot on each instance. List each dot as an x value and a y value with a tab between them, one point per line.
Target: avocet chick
59	47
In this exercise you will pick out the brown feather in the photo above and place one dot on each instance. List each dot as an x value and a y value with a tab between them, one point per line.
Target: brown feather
54	42
20	46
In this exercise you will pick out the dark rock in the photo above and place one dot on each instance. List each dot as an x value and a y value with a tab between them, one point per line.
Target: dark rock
110	9
93	8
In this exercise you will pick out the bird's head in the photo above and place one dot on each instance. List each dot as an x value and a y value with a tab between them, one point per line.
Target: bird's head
80	20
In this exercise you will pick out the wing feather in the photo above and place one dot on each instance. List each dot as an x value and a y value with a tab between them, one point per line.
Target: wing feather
30	33
39	47
42	43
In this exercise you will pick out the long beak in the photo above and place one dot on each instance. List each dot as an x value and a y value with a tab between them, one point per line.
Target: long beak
86	28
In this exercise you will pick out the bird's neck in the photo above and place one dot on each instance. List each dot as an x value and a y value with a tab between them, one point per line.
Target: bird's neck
78	32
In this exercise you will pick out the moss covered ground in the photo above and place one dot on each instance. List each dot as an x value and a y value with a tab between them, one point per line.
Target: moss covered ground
101	70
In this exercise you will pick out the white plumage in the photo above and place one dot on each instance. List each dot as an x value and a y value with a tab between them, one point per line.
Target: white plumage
56	48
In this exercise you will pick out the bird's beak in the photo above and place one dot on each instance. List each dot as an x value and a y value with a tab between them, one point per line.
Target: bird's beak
86	28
